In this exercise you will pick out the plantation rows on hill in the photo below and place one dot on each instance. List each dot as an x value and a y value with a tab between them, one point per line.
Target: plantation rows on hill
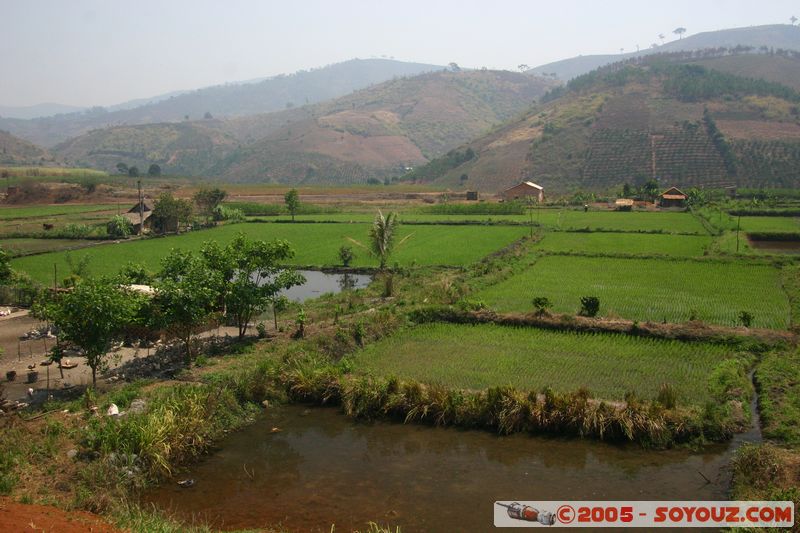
774	163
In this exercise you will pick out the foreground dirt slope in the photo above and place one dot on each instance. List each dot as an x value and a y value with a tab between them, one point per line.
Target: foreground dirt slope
17	517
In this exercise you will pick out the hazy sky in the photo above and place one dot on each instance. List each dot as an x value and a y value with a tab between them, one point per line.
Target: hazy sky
102	52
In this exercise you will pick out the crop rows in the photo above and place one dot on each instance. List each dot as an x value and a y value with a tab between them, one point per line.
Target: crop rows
649	289
481	356
624	243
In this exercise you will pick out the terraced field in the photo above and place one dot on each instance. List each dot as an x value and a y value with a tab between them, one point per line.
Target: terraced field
649	289
481	356
314	244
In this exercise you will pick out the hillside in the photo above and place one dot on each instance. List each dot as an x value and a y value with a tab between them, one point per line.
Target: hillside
180	148
776	36
374	132
639	121
15	151
230	100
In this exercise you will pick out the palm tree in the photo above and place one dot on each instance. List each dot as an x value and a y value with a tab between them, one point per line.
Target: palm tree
679	32
381	236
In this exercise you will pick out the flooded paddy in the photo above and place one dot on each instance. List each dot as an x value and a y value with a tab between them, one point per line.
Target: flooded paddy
319	283
305	469
777	247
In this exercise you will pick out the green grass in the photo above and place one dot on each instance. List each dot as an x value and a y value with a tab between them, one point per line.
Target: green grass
314	244
32	211
649	289
481	356
778	378
624	243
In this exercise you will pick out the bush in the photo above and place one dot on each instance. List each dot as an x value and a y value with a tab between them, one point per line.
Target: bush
745	318
346	255
119	227
542	304
590	305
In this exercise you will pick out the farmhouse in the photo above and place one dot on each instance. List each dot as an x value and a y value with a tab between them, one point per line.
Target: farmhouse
672	197
138	214
526	189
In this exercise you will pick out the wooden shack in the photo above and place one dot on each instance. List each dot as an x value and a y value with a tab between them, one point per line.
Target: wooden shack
524	190
672	197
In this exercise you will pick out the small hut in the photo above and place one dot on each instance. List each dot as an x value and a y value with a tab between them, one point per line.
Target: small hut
526	189
623	204
139	215
672	197
472	196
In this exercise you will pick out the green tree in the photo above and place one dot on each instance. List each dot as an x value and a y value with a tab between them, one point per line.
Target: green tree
186	296
154	170
292	200
542	304
133	172
679	32
650	190
590	305
208	200
119	227
122	168
92	316
346	255
6	273
170	212
251	276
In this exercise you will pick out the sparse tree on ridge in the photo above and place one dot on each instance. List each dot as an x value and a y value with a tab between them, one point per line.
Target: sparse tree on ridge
454	66
292	200
679	32
523	67
661	36
793	19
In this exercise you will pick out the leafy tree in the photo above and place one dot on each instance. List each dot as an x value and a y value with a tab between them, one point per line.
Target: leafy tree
523	67
154	170
170	212
122	168
92	316
650	190
133	172
627	190
134	274
346	255
119	227
5	267
590	305
696	197
207	115
454	66
793	19
251	276
186	295
207	200
679	32
292	200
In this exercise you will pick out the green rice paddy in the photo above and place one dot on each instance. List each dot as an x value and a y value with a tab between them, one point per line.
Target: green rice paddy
487	355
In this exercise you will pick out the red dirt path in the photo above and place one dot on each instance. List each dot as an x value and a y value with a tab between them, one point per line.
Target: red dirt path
17	517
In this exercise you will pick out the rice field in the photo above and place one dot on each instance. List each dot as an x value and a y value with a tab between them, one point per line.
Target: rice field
487	355
16	247
624	243
35	211
314	245
566	219
770	224
649	289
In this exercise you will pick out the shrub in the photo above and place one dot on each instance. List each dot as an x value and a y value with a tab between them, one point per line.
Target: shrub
261	328
346	255
745	318
119	227
542	304
590	305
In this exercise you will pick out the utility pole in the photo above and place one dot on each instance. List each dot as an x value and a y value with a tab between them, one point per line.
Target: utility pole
141	207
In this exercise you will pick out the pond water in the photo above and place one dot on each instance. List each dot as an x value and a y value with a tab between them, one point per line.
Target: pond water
319	283
320	468
780	247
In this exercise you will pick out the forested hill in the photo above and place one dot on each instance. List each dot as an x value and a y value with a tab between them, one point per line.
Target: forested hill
240	99
667	118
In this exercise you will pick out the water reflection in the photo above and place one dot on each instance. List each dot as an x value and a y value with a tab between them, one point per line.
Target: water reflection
321	468
319	283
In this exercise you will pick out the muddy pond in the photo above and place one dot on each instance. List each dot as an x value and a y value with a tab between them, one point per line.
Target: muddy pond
305	469
319	283
776	247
